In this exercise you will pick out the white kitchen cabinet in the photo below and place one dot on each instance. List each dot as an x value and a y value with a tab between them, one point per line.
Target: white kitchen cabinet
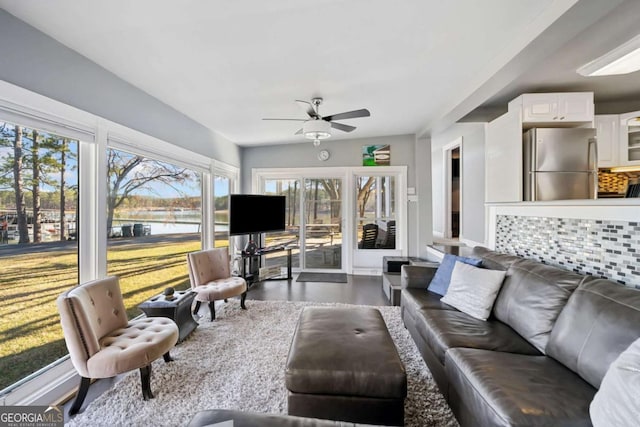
503	159
555	109
608	135
629	139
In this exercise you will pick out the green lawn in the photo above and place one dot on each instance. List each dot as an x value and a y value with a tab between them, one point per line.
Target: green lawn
30	332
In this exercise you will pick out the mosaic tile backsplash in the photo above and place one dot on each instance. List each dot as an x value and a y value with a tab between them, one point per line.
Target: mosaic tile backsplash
609	249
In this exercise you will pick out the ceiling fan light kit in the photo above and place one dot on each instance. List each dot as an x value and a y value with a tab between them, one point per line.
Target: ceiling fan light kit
317	128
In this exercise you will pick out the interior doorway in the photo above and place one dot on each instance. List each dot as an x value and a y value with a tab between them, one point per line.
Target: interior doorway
455	192
452	156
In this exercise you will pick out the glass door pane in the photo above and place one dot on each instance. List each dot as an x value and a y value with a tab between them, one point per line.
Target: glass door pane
376	211
323	223
290	188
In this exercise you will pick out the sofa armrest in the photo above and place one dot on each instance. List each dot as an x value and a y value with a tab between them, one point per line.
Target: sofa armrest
417	276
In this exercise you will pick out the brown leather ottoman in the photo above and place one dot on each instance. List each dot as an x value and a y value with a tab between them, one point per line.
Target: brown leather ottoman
343	365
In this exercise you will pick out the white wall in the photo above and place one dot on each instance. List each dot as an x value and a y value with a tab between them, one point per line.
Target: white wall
344	152
472	219
423	234
35	61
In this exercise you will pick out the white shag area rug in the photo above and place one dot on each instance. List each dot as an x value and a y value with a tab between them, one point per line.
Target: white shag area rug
238	362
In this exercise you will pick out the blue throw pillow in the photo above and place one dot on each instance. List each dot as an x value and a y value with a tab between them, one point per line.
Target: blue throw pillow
440	282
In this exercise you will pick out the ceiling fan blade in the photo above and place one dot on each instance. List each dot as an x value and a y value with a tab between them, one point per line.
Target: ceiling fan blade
299	132
348	115
340	126
308	108
295	120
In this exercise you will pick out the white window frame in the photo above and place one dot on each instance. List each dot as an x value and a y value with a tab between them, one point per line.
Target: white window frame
54	382
232	173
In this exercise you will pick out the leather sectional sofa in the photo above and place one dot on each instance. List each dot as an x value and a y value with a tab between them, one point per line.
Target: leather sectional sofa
541	356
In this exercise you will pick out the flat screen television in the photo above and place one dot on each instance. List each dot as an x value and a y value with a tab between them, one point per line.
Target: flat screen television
253	213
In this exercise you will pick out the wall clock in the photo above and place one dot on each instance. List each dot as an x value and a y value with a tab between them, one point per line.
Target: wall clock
323	155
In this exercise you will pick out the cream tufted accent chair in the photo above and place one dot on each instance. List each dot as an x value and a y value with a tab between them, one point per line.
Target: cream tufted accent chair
102	343
211	278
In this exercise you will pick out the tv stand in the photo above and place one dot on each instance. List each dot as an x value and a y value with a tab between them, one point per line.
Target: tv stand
251	274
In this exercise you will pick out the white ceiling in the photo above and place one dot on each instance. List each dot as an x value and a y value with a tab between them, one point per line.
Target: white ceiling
227	65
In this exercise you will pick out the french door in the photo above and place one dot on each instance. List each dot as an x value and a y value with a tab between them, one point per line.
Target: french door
329	209
313	218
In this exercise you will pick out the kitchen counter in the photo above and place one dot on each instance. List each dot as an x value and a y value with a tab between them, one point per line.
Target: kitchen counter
607	201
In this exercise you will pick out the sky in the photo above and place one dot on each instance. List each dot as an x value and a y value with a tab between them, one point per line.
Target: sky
189	188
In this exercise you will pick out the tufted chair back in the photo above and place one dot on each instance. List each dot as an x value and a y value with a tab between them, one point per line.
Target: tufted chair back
102	343
207	266
88	313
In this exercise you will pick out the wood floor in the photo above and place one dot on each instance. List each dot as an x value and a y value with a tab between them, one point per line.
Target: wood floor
364	290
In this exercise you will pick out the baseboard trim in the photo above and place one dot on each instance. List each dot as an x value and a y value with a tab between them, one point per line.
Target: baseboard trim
367	272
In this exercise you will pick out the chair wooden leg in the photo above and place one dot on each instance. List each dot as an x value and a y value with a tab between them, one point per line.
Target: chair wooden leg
82	393
212	308
167	357
242	298
145	378
197	307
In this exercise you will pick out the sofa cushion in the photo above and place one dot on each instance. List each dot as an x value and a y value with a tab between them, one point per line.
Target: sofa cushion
473	290
618	400
503	389
600	320
445	329
531	298
441	280
494	260
416	299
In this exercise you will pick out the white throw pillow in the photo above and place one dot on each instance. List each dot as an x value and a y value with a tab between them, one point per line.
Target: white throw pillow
617	403
473	290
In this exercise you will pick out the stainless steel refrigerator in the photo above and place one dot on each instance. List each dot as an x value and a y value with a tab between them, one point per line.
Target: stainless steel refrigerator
560	164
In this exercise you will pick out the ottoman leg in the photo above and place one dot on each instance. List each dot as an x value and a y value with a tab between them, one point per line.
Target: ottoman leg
82	393
242	298
145	378
197	307
212	309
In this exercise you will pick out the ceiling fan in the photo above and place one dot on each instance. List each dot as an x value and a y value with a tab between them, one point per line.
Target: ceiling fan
317	127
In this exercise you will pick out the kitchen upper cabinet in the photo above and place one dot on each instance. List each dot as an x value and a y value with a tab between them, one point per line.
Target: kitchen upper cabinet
629	139
554	109
608	136
503	159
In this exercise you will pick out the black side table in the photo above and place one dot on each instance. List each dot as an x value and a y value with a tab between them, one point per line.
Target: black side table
177	309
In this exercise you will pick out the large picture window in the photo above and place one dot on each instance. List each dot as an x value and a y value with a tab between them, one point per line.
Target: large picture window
221	191
154	219
38	246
